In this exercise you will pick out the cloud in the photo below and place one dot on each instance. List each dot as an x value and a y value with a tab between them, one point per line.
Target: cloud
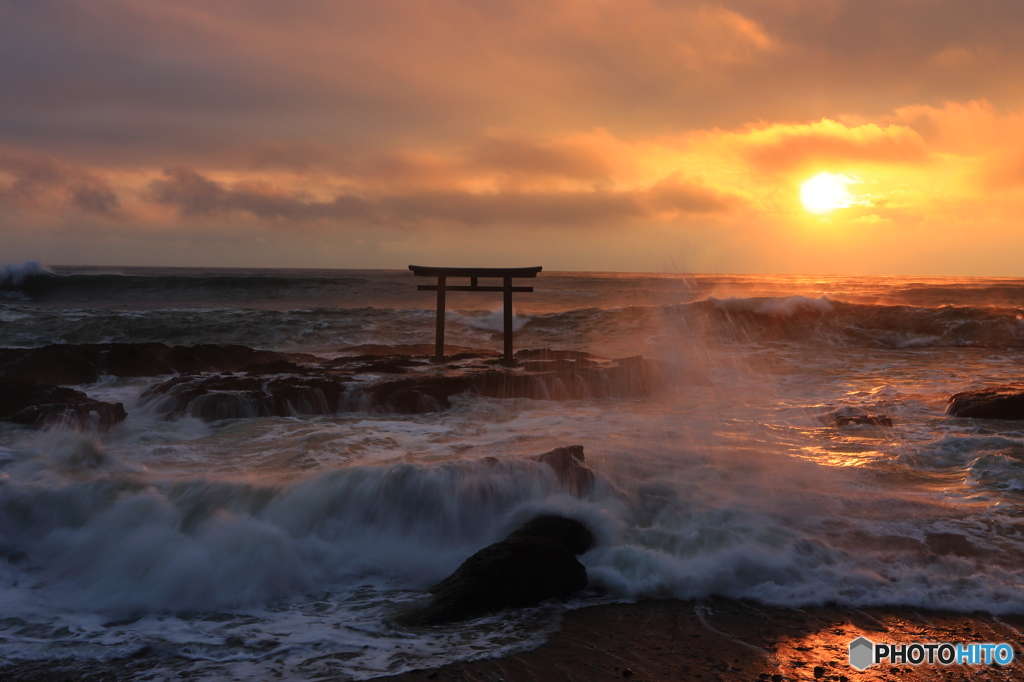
556	159
192	194
787	147
195	195
32	181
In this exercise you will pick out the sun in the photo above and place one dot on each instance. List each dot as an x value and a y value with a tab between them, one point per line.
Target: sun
825	192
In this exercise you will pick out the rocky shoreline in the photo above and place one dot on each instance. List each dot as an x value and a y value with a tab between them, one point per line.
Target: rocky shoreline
229	382
213	382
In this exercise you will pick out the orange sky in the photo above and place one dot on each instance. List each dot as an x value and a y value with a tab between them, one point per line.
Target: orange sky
574	134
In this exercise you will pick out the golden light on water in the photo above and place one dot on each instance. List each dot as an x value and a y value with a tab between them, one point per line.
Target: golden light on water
826	192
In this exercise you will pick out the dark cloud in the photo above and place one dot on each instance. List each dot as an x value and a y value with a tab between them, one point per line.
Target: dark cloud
195	195
96	199
40	182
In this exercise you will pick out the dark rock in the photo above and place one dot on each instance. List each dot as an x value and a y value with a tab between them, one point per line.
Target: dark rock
514	573
998	402
534	563
464	356
569	533
384	367
217	358
275	367
570	467
47	407
552	354
421	349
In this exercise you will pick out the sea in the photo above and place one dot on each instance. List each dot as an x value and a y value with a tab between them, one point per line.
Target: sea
281	548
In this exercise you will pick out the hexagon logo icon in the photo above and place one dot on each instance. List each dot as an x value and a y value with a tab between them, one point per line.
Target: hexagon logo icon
861	653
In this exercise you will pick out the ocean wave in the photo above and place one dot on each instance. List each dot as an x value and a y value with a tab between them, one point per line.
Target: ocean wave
322	310
13	276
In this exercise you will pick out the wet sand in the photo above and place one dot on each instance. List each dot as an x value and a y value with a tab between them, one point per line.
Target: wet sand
702	641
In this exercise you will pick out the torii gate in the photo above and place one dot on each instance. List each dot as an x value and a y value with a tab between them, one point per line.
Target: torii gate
442	274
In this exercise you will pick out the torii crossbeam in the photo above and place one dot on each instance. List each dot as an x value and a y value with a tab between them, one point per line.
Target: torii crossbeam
442	274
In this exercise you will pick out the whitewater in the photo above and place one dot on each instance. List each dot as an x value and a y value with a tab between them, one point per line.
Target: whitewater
245	548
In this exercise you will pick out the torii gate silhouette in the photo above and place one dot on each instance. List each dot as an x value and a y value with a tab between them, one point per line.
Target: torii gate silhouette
442	274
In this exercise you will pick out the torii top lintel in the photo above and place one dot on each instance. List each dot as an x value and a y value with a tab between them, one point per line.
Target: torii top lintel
442	274
426	271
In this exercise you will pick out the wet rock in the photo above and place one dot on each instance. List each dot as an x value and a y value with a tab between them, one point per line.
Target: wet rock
275	367
552	354
998	402
48	407
413	349
570	467
520	571
236	396
385	367
846	416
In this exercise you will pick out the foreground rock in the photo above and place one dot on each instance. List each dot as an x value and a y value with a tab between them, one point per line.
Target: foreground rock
998	402
48	407
536	562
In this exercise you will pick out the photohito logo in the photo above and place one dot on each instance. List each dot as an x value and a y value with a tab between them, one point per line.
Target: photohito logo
864	653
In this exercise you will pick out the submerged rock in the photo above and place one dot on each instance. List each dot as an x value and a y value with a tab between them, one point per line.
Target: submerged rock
865	419
48	407
847	416
997	402
536	562
570	467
